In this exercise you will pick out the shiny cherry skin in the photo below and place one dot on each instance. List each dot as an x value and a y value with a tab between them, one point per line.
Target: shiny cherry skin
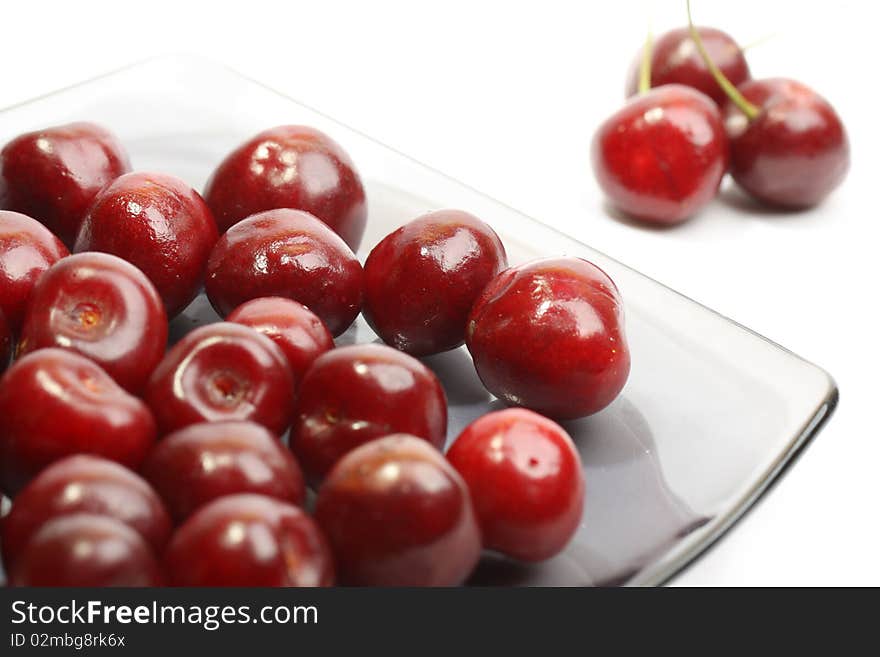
85	484
55	403
397	514
299	332
54	174
5	343
291	254
548	335
661	157
86	550
249	540
526	482
104	308
290	167
795	152
158	223
355	394
27	249
421	281
205	461
222	371
676	60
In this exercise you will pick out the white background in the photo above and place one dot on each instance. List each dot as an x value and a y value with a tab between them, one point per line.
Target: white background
505	97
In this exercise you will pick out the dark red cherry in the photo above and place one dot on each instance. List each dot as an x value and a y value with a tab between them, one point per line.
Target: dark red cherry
352	395
421	281
295	167
286	253
6	341
299	332
27	249
222	371
526	482
202	462
158	223
548	335
85	484
249	540
397	514
86	550
104	308
55	403
661	157
54	174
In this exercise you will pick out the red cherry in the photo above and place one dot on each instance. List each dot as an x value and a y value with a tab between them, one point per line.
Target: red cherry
421	281
202	462
158	223
397	514
661	157
5	342
548	335
27	249
86	550
352	395
249	540
55	403
85	484
299	332
526	482
54	174
290	167
104	308
222	371
286	253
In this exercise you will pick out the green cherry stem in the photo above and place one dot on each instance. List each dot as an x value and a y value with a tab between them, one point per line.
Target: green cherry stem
645	67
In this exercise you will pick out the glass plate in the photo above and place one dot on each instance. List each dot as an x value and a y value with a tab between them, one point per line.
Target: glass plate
711	415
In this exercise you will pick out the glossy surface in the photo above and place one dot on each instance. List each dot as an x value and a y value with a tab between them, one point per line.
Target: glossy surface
397	514
661	157
202	462
421	281
222	371
355	394
249	540
548	335
286	253
795	152
55	403
290	167
54	174
526	482
6	342
158	223
27	249
85	484
104	308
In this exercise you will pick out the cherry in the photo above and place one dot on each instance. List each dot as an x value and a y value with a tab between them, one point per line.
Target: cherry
158	223
222	371
27	249
290	167
202	462
421	280
55	403
249	540
86	550
299	332
397	514
286	253
54	174
5	342
85	484
548	335
355	394
525	479
103	308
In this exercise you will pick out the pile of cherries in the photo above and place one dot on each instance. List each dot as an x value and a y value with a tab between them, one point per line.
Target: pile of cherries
130	461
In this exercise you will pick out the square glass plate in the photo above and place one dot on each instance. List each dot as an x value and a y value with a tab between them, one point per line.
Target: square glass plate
711	415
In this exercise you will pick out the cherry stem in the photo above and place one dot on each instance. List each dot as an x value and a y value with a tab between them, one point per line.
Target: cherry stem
749	109
645	68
